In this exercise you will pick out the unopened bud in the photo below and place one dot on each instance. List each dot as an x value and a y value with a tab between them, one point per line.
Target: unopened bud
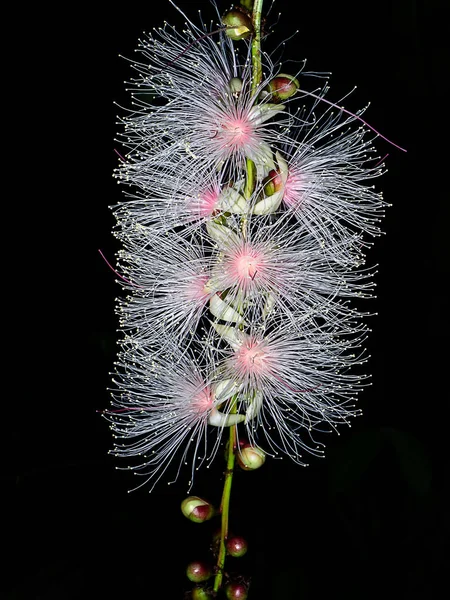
200	593
238	23
250	458
235	85
283	87
237	546
198	571
273	183
236	591
197	510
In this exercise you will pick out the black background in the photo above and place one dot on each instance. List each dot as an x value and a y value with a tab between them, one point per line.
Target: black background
368	520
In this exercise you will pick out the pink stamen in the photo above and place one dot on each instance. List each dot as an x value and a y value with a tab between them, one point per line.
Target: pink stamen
119	155
356	117
118	274
382	160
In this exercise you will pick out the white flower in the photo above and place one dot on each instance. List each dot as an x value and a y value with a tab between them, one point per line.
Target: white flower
204	122
293	383
329	187
162	411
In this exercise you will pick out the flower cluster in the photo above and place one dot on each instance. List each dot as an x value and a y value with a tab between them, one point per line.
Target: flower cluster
248	210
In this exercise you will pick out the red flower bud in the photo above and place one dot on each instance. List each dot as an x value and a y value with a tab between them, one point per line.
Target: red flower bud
197	510
283	87
198	571
237	546
273	183
236	591
250	458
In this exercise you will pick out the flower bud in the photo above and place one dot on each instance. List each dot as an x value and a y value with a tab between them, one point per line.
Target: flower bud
200	593
236	546
250	458
236	591
238	23
235	85
198	571
283	87
273	183
197	510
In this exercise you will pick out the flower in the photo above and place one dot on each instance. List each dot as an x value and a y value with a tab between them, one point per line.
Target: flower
293	383
330	165
161	406
203	123
277	267
163	202
169	290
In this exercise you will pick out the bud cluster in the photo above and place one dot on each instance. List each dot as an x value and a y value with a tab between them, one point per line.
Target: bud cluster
201	572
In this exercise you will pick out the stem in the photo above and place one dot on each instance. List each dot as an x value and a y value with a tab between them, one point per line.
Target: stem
225	505
256	80
256	45
249	188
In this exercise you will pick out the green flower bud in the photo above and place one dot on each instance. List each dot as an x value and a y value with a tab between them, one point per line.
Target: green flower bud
273	183
198	571
238	23
200	593
283	87
236	546
197	510
235	85
250	458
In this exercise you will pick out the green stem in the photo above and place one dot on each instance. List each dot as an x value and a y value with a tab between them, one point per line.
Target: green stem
225	505
256	80
249	188
256	45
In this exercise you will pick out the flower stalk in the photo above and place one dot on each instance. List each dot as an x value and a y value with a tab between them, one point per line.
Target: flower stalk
225	505
248	191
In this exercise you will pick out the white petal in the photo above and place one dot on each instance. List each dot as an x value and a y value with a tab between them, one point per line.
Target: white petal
221	234
254	407
268	205
282	167
230	334
269	305
225	389
263	112
230	200
218	419
224	311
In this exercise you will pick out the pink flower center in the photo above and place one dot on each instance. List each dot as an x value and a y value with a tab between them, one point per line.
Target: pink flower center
252	358
195	289
293	189
205	204
245	265
235	134
203	401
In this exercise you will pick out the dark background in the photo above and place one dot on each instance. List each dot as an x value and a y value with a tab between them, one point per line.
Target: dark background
370	519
